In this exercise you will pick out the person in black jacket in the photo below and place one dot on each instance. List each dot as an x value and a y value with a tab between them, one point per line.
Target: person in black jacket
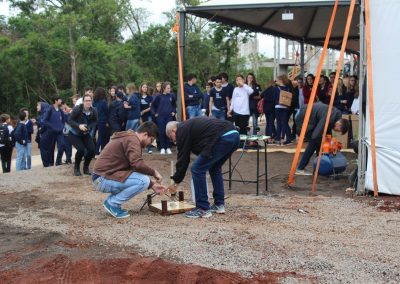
117	114
269	110
315	130
253	100
83	121
214	141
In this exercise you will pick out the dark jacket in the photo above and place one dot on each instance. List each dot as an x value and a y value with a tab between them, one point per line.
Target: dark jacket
54	120
269	100
78	117
198	136
102	110
116	115
193	95
21	134
134	111
254	101
316	124
163	105
29	128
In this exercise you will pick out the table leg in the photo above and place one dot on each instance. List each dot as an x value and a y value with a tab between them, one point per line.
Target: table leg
230	173
266	165
258	167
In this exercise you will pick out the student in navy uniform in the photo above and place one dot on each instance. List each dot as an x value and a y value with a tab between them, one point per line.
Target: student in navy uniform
226	85
269	110
205	104
164	109
53	123
282	115
117	114
145	107
6	145
219	100
83	120
100	103
41	109
193	96
254	99
66	145
21	140
132	108
29	126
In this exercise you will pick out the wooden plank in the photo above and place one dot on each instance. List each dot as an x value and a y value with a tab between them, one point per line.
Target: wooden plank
173	207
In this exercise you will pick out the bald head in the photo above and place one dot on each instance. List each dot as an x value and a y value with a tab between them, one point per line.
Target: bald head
170	129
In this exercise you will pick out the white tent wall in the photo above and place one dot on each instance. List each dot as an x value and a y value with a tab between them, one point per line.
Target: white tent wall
385	45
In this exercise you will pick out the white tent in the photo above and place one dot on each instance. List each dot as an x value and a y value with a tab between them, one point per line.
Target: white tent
309	25
385	44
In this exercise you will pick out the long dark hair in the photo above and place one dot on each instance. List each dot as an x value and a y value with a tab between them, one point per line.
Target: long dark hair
99	94
254	83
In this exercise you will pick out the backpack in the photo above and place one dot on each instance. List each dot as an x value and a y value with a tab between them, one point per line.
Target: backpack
4	134
11	139
260	106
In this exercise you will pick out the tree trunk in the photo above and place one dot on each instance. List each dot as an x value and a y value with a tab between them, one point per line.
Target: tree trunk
73	55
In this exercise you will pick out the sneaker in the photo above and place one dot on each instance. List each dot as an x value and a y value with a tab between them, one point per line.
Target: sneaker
162	152
287	143
219	209
150	152
169	152
302	173
115	211
198	213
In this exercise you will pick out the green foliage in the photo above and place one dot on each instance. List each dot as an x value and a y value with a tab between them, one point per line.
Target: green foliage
39	45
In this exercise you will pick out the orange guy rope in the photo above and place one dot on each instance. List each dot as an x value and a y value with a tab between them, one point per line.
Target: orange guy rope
370	95
312	98
335	84
176	29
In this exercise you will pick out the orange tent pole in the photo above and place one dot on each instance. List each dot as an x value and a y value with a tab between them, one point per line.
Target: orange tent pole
312	98
335	84
180	67
370	95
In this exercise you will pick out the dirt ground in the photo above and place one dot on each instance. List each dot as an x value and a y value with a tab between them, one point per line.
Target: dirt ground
54	229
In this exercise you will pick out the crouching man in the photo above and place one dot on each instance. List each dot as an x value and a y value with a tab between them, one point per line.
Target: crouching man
213	141
121	171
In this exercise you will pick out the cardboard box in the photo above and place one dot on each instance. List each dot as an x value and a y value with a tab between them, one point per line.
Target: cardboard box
285	98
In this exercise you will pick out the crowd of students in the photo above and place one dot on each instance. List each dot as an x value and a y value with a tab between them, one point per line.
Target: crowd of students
98	114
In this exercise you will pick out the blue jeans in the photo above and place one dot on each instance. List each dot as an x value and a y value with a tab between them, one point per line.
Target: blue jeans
193	111
222	150
254	117
132	124
121	192
218	113
282	119
21	156
29	156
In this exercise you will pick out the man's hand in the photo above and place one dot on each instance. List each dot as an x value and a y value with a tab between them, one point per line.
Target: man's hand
158	176
159	188
82	127
229	114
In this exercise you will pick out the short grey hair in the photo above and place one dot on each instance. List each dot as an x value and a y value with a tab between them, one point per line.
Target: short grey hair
172	125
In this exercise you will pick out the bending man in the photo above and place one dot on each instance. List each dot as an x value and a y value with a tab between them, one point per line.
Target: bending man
214	141
121	171
315	129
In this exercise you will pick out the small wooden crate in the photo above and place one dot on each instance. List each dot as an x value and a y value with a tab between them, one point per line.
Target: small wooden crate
172	207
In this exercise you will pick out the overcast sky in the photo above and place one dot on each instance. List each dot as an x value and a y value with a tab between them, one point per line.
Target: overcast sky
156	9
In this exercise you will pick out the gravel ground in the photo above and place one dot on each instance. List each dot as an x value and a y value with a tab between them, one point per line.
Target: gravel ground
337	239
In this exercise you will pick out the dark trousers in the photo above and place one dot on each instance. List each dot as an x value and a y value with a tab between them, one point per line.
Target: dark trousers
162	123
270	129
294	126
63	146
84	147
241	121
282	119
222	150
47	145
6	157
313	147
103	136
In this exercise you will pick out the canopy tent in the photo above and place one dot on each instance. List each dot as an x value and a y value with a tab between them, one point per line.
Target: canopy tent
309	25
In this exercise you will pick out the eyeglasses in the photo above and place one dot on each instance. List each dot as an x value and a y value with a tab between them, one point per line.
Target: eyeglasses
87	101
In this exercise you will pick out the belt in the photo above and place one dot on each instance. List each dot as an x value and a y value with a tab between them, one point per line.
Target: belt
95	177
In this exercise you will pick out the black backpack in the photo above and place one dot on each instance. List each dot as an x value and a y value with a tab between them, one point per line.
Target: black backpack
4	134
11	139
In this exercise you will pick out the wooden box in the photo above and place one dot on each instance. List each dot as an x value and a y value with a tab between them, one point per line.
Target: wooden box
285	98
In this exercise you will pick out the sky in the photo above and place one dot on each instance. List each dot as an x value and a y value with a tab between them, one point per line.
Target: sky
156	9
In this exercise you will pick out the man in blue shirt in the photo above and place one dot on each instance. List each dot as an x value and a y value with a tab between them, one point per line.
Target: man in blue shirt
193	96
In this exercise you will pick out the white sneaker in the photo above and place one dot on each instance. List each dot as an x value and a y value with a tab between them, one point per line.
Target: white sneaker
162	152
302	173
169	152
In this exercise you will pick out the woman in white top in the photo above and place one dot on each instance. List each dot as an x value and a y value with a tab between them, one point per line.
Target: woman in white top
239	107
6	148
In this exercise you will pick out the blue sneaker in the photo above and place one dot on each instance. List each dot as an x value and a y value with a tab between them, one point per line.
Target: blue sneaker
115	211
219	209
198	213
